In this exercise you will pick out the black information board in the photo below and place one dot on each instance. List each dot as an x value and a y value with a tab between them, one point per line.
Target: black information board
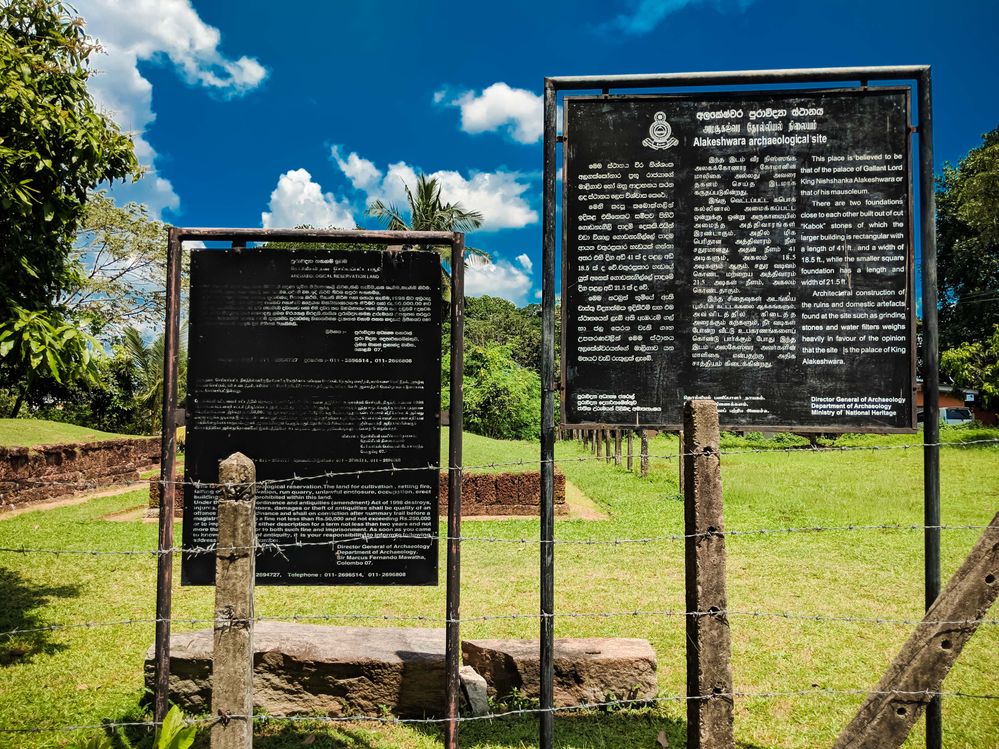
312	362
753	247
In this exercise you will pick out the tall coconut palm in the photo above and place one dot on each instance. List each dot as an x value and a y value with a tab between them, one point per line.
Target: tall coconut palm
428	212
147	363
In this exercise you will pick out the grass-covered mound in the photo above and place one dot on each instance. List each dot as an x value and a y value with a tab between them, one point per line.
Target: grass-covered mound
32	432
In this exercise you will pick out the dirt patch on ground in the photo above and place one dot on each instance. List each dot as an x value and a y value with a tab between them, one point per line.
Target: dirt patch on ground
581	507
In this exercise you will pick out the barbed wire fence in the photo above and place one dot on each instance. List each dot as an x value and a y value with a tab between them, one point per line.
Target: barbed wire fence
615	704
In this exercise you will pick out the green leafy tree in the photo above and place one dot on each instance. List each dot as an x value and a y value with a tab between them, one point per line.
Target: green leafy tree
975	366
968	245
492	320
55	146
42	345
428	212
502	398
118	268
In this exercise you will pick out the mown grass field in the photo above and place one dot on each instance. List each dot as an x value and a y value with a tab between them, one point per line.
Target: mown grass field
31	432
93	674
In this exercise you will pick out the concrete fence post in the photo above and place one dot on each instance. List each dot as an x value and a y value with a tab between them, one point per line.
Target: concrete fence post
709	648
644	459
232	662
628	438
893	707
617	447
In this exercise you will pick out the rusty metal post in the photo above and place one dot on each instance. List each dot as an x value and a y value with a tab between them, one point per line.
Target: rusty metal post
168	466
680	461
644	459
452	654
549	388
709	649
232	661
889	713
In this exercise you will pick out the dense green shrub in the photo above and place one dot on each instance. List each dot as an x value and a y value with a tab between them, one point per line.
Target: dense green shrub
502	398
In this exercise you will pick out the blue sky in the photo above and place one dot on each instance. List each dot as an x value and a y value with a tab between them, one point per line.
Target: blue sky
256	113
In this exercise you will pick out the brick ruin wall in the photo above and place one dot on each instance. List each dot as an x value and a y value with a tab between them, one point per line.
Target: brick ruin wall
35	474
481	494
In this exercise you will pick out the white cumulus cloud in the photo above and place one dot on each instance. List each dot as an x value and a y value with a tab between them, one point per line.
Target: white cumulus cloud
516	111
298	200
168	30
499	278
498	196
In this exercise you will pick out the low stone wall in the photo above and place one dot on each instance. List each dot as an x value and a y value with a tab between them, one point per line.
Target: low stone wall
503	493
341	671
481	494
33	474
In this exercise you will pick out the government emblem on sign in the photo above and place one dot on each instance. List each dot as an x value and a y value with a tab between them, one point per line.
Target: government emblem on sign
660	134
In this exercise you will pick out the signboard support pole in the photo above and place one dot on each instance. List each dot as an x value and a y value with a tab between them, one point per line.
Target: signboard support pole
546	716
454	478
931	377
630	450
168	460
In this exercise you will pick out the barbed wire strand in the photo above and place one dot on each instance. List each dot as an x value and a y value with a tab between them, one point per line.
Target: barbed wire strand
395	469
789	615
923	696
281	548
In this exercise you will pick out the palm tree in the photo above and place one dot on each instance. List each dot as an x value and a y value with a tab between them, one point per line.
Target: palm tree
428	212
147	363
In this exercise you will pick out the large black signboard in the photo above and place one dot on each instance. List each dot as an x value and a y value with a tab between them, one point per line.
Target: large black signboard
753	247
312	362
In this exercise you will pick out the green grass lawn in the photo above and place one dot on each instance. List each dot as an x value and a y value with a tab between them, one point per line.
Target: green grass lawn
32	432
89	675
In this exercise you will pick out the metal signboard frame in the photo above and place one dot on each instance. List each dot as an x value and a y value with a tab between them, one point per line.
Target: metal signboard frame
673	426
862	76
174	416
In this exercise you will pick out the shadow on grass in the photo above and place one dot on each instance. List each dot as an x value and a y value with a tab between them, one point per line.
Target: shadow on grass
20	599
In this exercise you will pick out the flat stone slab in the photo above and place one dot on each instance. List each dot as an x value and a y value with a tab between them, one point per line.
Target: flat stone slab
587	670
305	668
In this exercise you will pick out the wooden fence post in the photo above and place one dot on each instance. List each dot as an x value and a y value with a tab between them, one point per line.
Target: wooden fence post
644	460
709	648
607	446
232	662
889	712
617	447
630	450
598	442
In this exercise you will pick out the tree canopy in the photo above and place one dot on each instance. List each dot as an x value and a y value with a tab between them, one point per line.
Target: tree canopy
968	245
55	147
118	269
975	366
